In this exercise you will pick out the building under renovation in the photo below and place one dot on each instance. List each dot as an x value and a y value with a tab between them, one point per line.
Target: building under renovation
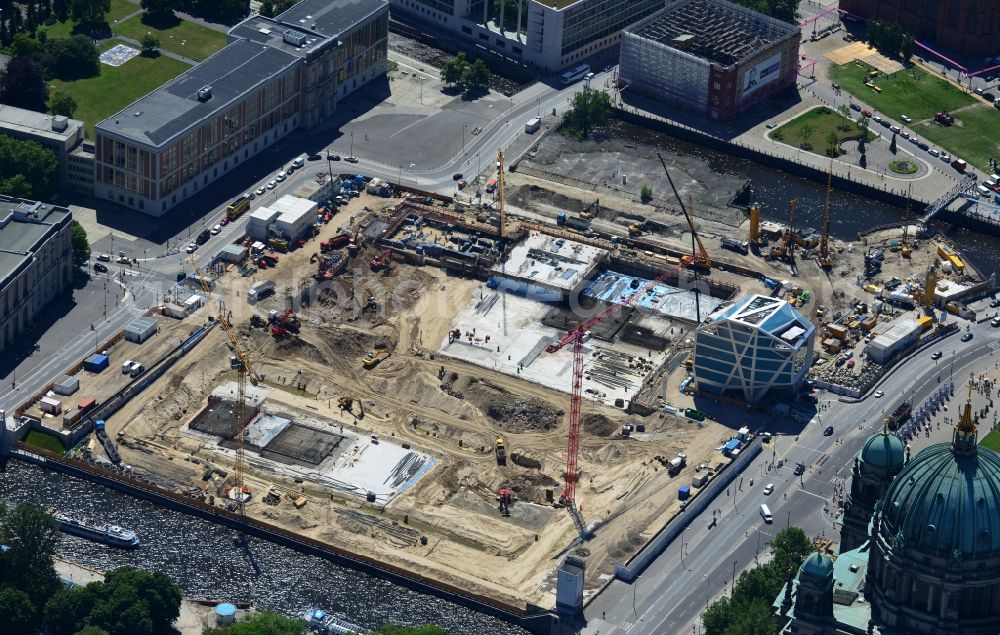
709	56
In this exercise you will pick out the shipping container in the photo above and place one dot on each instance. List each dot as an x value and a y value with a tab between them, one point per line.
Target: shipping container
66	385
87	404
175	311
95	363
50	406
71	418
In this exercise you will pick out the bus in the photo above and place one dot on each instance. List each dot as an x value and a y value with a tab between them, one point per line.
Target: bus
237	207
575	74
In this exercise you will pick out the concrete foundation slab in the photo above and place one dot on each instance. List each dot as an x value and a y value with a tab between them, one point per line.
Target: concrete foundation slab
612	286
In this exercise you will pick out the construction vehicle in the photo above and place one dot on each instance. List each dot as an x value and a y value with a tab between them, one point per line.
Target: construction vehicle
354	244
297	499
824	242
677	464
347	403
240	362
381	261
701	261
504	497
944	118
283	323
786	249
372	359
371	305
257	321
737	245
501	451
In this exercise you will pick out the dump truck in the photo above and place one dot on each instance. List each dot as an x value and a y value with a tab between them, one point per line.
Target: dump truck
501	451
677	464
734	244
260	290
372	359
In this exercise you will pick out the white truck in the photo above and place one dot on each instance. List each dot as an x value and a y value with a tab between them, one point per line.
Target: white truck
677	464
260	290
532	125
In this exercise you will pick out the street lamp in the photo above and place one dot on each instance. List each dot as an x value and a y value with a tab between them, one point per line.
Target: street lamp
352	144
734	580
464	126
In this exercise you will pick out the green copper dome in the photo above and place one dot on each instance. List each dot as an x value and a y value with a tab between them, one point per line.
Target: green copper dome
884	450
946	502
818	566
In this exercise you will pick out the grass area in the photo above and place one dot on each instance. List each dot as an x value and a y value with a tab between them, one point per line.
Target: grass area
44	441
903	166
973	136
175	35
119	9
911	91
811	130
100	97
991	441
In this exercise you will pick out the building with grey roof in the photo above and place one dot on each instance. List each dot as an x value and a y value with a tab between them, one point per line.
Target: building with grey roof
36	262
275	75
548	34
57	133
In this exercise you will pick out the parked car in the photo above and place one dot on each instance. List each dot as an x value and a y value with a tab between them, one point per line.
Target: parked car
855	107
281	176
272	184
995	322
906	118
225	220
260	191
933	152
914	141
994	304
216	229
332	157
989	97
946	157
895	129
866	113
315	156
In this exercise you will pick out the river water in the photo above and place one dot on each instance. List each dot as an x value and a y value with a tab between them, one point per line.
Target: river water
849	213
205	560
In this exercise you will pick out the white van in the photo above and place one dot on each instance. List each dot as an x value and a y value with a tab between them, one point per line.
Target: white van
299	162
765	513
136	370
126	367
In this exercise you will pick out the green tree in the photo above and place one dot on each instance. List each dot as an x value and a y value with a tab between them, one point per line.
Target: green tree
22	84
150	43
267	9
787	10
476	76
832	140
588	109
261	623
73	57
81	246
60	9
27	168
158	8
148	596
92	630
426	629
89	11
67	611
790	546
646	192
62	104
32	536
24	45
17	613
454	69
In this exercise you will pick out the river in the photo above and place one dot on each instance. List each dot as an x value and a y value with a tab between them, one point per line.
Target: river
849	213
205	560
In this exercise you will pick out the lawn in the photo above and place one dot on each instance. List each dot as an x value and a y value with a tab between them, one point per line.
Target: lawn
973	137
100	97
911	91
175	35
119	9
811	130
992	441
44	441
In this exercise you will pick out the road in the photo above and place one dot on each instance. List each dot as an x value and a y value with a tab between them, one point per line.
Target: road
675	589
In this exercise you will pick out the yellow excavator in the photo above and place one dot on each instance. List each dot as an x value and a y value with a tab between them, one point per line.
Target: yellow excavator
347	403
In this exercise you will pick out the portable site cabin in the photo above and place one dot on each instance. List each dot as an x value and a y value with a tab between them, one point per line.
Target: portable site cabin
140	330
66	385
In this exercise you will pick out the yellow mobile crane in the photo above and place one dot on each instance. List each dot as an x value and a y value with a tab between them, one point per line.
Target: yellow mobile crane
703	260
824	240
240	362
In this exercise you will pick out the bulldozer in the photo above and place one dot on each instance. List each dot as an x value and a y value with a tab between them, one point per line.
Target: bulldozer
347	403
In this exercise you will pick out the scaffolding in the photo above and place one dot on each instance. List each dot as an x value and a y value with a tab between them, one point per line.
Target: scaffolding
671	54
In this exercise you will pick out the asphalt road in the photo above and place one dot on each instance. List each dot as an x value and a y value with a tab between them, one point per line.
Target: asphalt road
670	595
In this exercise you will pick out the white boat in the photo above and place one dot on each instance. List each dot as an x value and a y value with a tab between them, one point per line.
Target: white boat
111	535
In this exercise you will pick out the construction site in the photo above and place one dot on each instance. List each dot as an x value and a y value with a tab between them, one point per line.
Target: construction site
474	389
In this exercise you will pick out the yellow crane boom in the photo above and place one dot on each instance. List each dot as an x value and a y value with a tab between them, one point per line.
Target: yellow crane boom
240	362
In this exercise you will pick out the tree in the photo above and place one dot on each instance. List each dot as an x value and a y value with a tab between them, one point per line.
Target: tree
92	630
81	246
23	45
67	611
832	139
62	104
27	169
589	108
787	10
805	132
22	84
426	629
17	614
267	9
132	596
150	44
73	58
646	192
89	11
261	623
60	9
790	546
476	76
454	68
32	536
158	8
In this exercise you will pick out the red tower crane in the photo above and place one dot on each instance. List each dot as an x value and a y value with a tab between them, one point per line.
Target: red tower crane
576	337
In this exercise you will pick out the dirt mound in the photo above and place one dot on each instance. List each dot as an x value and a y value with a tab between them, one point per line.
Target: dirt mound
598	425
292	348
527	196
416	388
511	413
346	341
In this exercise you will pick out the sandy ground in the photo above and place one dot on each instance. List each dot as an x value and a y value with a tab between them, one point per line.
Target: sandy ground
447	525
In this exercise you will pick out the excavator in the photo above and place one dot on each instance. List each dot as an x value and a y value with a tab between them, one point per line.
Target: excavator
505	496
381	261
347	403
284	323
